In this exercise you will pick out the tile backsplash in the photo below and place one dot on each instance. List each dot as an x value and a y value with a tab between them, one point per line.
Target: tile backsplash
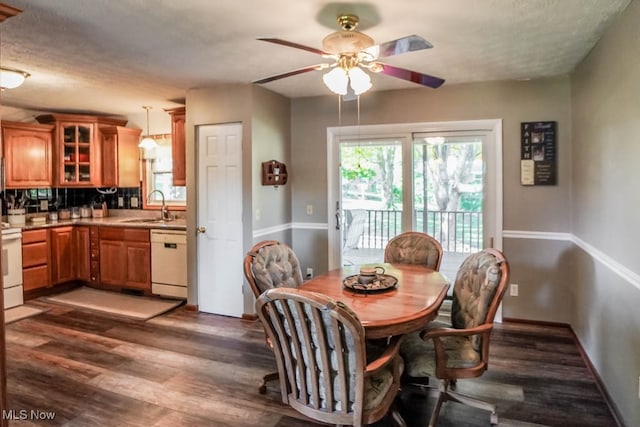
58	198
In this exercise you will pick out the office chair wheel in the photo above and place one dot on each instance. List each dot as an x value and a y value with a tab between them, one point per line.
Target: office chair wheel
494	419
262	388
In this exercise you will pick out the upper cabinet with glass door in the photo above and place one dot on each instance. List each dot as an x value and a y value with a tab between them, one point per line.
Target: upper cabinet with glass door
77	160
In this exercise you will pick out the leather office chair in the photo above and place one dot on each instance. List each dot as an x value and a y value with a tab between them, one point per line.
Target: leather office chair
321	354
460	349
414	247
271	264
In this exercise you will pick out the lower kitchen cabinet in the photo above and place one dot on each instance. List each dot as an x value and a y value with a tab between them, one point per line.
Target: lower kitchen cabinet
82	249
35	259
63	255
125	257
94	255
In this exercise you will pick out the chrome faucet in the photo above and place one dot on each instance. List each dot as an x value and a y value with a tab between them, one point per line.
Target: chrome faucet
164	211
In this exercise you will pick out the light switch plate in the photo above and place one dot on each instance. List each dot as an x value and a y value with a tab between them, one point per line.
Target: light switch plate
121	202
134	202
44	205
514	290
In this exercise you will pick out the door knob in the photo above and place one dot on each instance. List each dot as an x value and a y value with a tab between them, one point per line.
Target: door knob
201	230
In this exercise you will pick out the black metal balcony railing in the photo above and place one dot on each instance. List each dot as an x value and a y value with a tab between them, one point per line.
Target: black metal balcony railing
457	231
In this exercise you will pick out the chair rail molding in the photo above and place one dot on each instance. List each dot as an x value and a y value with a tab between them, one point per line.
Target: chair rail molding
613	265
261	232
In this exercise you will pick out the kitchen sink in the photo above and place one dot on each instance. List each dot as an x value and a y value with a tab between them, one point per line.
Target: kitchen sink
146	221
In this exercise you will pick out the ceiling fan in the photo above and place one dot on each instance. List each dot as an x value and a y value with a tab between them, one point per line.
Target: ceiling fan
354	52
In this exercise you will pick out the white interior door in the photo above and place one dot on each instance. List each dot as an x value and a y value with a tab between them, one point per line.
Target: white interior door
219	220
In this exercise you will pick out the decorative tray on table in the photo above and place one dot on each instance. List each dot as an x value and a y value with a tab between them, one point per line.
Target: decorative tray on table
382	282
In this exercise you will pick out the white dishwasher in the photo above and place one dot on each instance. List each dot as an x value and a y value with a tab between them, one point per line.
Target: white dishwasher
169	263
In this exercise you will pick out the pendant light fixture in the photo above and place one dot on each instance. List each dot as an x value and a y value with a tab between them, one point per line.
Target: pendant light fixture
147	142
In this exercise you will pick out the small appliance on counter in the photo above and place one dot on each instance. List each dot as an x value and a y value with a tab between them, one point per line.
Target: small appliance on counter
85	211
64	213
16	216
75	212
99	207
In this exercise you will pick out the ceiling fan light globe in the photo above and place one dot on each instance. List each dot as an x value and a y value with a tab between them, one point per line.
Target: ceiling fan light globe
336	80
360	81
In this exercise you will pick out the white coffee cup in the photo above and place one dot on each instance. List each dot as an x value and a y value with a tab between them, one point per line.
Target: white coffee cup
368	274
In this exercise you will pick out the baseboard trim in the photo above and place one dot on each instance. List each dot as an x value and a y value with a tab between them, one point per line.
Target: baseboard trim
536	322
191	307
599	383
251	317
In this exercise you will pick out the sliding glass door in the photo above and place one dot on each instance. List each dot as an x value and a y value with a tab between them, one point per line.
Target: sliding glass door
371	197
448	201
439	178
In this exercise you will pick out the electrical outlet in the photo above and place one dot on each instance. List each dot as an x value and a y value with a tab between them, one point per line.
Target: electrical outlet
257	214
309	272
309	209
134	202
44	205
121	202
514	290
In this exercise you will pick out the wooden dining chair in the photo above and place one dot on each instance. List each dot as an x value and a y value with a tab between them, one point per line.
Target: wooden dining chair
460	349
270	264
321	355
414	247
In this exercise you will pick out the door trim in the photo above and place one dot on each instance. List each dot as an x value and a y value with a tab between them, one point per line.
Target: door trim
335	134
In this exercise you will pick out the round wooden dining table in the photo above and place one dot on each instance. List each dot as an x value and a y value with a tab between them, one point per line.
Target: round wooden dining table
412	303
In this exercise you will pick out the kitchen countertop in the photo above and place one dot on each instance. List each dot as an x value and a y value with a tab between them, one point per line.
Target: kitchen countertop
115	221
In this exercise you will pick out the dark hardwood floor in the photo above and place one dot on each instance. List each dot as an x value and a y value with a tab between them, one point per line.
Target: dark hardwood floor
190	369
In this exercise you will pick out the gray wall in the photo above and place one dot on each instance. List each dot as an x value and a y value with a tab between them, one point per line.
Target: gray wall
543	209
271	141
265	134
606	149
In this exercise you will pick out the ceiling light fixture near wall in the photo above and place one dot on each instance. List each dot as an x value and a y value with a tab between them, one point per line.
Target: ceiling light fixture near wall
147	142
11	79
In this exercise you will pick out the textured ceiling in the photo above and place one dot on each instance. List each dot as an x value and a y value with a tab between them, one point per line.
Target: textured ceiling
114	56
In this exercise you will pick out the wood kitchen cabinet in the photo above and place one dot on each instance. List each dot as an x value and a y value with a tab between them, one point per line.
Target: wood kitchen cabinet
77	155
120	156
178	145
125	257
63	255
82	251
94	255
35	259
27	150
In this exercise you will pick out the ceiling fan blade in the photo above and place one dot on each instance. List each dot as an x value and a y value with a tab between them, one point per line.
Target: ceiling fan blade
399	46
296	45
293	73
412	76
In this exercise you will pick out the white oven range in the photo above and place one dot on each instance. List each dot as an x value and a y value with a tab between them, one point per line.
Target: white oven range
12	266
